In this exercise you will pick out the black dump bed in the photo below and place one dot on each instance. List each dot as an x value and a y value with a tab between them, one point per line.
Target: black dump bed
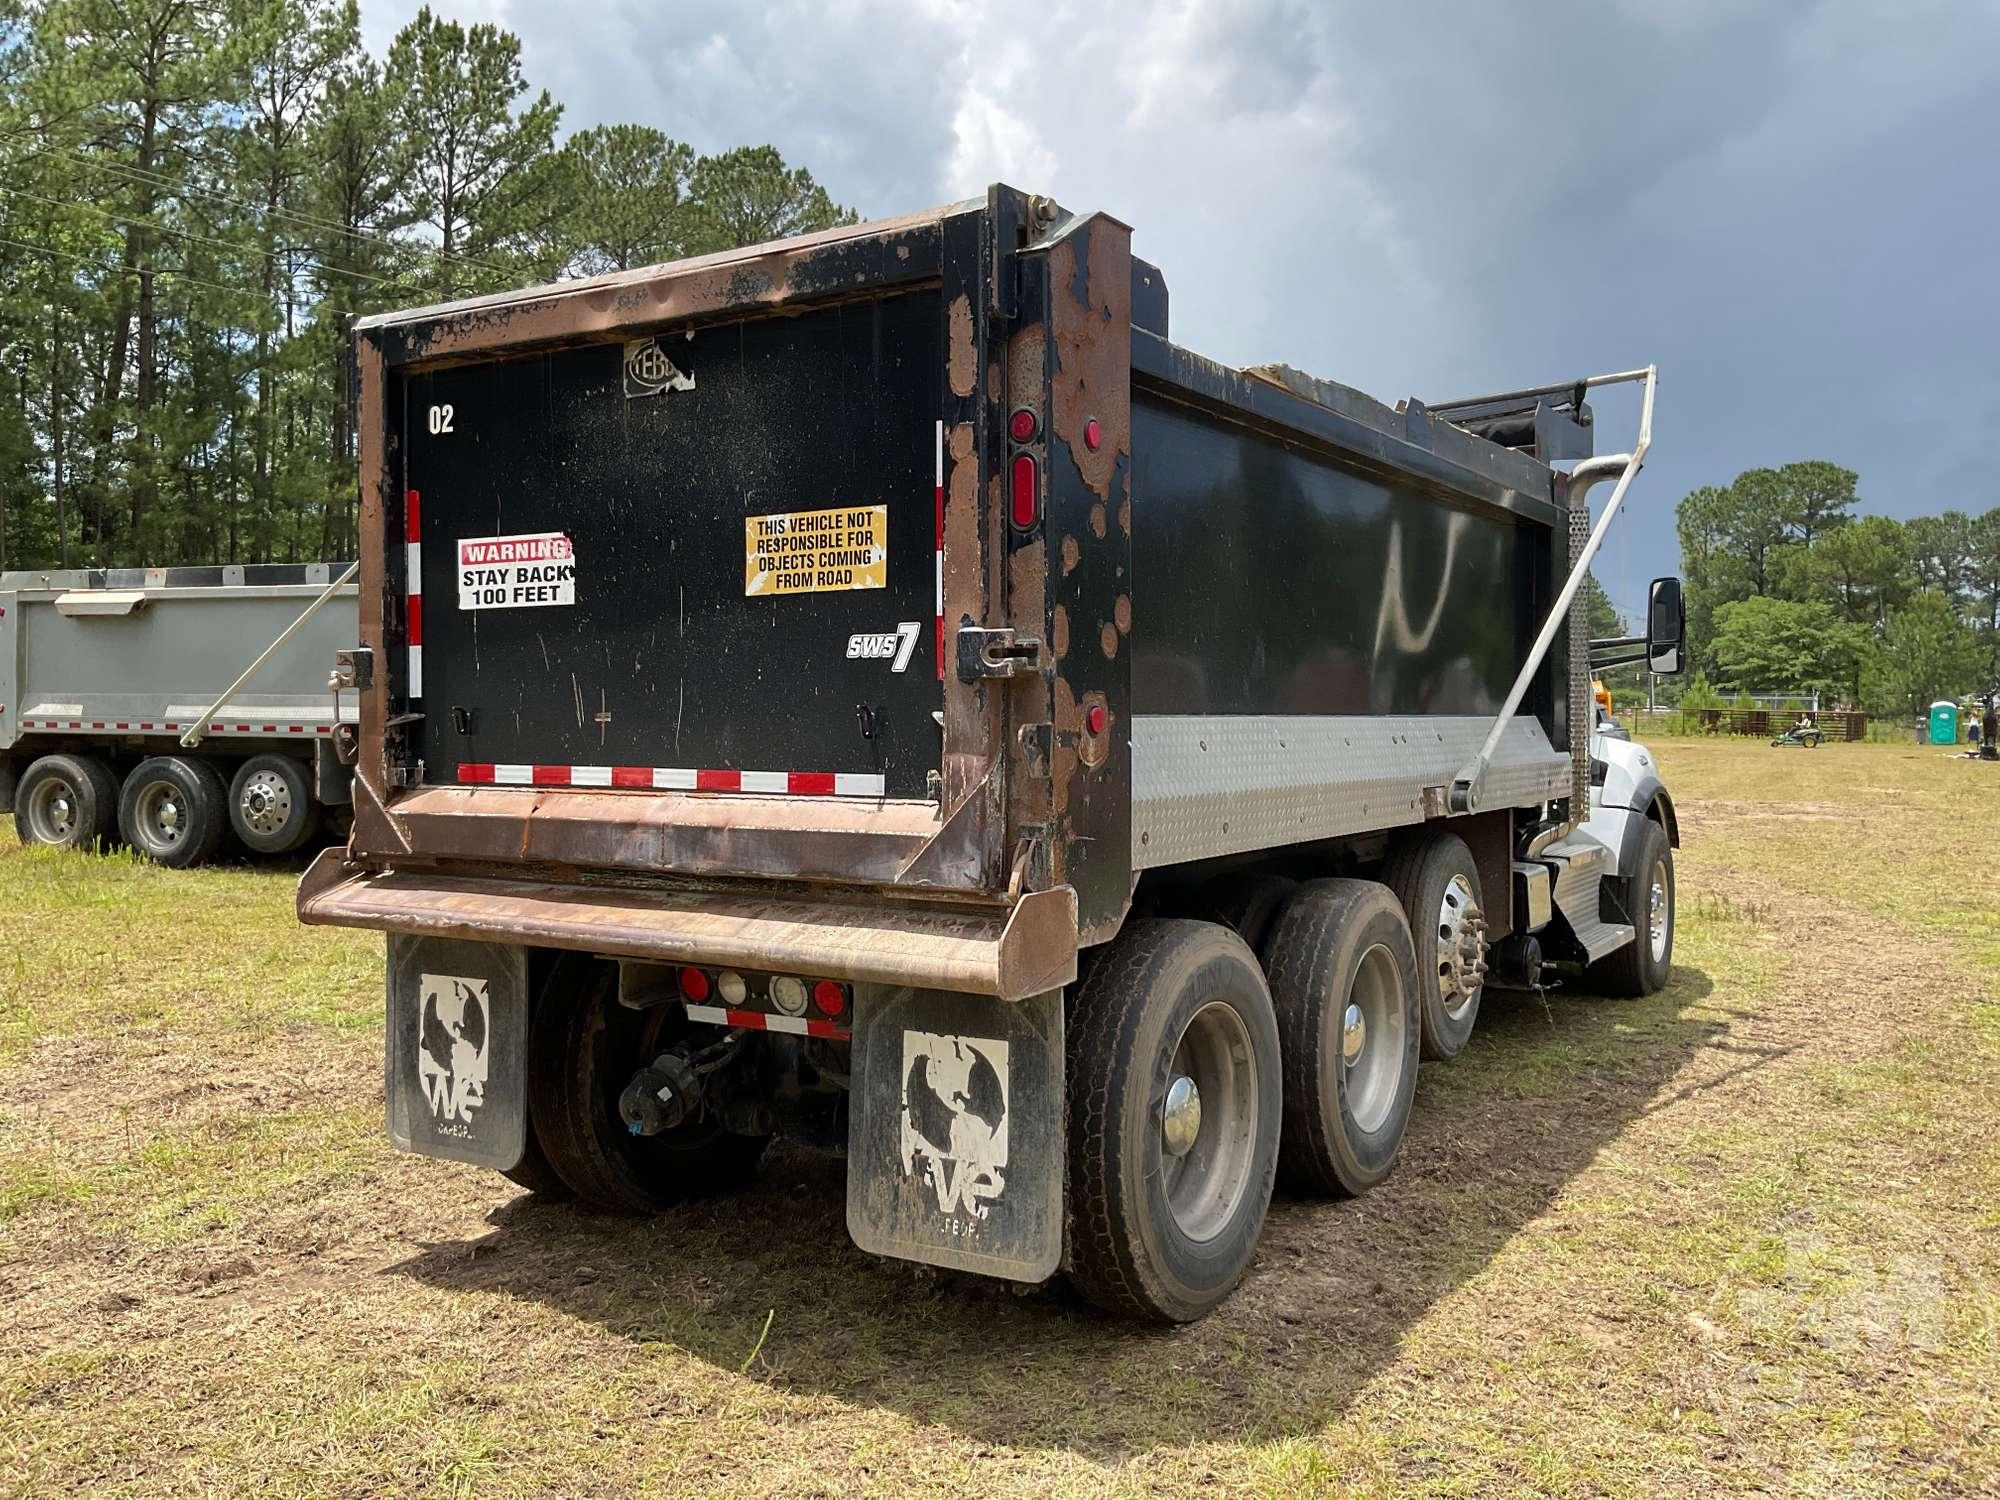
907	560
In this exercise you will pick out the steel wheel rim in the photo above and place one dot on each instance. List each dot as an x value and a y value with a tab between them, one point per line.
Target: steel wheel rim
1207	1176
1369	1040
1460	946
161	815
265	802
1659	912
55	811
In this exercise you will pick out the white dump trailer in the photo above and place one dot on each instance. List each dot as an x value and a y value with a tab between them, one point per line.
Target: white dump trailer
169	707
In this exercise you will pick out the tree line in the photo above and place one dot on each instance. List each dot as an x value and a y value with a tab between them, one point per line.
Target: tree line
196	196
1790	590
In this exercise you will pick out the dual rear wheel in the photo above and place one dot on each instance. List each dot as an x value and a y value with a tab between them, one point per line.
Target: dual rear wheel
1199	1077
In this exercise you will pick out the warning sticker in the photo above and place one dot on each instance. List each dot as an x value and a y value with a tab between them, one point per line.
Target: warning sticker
812	551
516	572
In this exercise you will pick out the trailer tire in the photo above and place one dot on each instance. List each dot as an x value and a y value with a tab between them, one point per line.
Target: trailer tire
1643	965
1341	955
1166	1201
174	810
271	805
1436	880
67	802
1247	904
583	1049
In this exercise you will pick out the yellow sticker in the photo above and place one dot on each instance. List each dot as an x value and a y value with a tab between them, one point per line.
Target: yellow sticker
816	551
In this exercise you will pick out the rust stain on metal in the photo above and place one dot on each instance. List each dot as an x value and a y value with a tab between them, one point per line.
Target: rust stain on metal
962	355
1071	555
1093	372
1095	749
1027	353
1107	638
1009	952
1121	614
1059	632
1097	521
1125	512
967	757
1028	588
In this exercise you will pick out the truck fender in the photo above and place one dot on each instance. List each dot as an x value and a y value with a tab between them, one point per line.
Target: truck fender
1648	806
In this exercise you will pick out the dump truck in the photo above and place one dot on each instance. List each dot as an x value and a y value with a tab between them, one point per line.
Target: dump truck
877	688
171	708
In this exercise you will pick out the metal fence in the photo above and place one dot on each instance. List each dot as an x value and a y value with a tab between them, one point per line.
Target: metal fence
1761	723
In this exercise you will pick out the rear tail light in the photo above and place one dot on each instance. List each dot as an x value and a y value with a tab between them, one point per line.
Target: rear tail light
789	995
694	984
830	998
730	986
1027	492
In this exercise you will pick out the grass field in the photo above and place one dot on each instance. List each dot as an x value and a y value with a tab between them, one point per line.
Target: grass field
1743	1237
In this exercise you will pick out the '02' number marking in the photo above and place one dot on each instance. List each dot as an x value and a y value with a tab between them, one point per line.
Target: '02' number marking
894	649
440	420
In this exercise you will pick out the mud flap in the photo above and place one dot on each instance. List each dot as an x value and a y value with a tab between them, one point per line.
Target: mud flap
456	1054
955	1130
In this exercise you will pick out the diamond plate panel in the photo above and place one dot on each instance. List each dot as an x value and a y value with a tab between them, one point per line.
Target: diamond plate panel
1207	785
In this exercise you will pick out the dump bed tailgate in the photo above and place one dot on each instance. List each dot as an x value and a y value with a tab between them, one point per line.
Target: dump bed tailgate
704	560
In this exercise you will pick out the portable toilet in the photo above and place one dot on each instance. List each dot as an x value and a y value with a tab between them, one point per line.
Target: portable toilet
1944	723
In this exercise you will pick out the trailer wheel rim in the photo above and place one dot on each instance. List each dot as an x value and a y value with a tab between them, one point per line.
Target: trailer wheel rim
265	803
1208	1122
1659	912
54	811
1372	1041
162	814
1460	946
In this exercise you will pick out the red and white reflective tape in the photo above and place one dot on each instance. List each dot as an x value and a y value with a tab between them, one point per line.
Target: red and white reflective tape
674	779
940	549
413	572
757	1020
167	726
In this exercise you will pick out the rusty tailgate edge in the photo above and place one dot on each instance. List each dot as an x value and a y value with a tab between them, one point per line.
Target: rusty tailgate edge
1008	952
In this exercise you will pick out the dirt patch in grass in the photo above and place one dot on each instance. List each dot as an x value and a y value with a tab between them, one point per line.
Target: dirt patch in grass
1740	1236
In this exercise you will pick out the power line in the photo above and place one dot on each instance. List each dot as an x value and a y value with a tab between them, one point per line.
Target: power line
117	270
311	221
189	234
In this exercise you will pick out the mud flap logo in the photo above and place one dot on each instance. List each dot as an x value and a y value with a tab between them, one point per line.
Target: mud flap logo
954	1127
452	1033
648	371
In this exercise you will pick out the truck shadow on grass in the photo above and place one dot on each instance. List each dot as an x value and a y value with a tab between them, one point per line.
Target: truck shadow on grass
1497	1136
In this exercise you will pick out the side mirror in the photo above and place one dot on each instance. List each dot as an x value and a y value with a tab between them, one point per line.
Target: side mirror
1666	628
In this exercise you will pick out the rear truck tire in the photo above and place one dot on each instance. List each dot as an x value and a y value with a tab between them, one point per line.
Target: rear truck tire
1436	880
1643	965
535	1173
67	802
1344	981
1247	904
174	810
583	1049
1174	1102
271	805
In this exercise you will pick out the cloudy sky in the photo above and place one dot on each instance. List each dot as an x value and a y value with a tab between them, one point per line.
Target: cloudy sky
1792	207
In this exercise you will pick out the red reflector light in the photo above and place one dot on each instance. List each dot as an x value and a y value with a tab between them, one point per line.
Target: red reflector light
694	984
1021	426
829	997
1027	504
1093	718
1093	435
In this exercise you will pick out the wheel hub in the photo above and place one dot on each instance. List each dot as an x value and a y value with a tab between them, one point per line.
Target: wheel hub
1353	1035
1657	911
266	803
1180	1116
1461	945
